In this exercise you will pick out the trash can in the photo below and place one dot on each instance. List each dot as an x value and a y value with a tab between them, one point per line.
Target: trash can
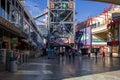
9	54
13	64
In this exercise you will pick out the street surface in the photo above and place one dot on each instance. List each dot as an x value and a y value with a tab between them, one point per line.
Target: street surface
58	68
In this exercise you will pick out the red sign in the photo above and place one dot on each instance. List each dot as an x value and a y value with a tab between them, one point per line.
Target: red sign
109	43
115	42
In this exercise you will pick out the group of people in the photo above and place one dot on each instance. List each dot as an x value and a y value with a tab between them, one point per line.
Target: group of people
103	54
71	52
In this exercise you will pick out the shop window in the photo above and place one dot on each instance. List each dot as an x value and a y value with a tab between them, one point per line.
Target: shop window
5	45
98	24
115	49
20	22
94	25
26	28
115	32
14	17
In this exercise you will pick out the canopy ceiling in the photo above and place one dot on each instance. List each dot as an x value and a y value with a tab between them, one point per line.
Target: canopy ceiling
108	1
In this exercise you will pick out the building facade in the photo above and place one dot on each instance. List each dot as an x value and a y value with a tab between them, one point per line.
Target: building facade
18	30
100	33
114	34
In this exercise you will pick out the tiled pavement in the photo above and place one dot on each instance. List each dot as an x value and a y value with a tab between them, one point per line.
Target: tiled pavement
80	68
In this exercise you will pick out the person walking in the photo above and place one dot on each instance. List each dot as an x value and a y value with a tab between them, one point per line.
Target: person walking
96	55
103	55
70	53
73	54
89	53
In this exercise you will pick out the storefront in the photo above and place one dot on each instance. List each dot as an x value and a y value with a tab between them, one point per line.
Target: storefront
114	37
7	32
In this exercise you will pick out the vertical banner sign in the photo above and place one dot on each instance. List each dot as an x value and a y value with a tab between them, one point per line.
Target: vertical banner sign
14	41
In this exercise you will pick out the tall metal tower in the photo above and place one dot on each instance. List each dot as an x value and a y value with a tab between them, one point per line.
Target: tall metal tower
61	20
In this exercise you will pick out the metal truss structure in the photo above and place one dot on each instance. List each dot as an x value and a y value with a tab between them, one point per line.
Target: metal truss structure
61	19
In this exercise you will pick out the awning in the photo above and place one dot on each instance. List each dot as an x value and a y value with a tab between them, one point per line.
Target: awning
7	26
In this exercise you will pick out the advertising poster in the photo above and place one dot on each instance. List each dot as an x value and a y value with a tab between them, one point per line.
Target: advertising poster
84	36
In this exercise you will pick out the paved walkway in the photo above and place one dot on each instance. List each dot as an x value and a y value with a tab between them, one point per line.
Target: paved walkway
80	68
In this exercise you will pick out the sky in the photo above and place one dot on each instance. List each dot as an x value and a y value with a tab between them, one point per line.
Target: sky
84	8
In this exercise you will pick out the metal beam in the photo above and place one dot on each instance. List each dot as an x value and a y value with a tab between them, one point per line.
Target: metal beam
40	15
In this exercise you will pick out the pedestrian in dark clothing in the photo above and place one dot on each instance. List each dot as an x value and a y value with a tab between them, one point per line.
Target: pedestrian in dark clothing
70	53
96	54
73	53
103	55
44	52
62	54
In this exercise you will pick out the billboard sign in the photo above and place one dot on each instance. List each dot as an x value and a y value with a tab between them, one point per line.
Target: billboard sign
84	36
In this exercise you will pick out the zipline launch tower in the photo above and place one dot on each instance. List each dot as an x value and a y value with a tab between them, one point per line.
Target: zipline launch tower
61	21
